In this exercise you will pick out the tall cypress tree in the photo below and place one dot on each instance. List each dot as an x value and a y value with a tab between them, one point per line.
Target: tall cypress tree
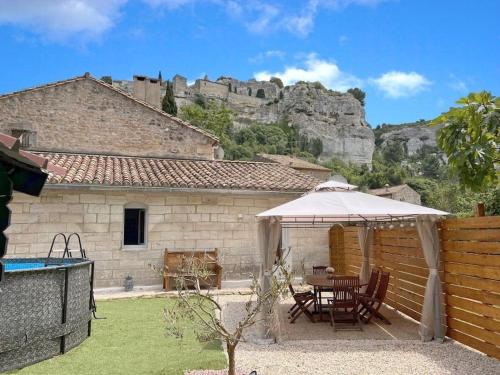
168	103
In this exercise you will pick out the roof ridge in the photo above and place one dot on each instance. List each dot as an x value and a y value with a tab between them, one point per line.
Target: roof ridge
43	86
111	87
47	152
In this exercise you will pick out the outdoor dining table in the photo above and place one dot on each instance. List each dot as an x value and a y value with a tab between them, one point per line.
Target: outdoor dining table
320	283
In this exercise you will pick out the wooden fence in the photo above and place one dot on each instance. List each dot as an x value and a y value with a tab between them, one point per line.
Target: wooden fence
469	270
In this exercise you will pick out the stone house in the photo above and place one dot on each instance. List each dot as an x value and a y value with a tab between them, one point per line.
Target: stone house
137	181
402	193
318	171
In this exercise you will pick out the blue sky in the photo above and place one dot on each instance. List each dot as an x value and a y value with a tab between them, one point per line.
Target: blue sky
413	58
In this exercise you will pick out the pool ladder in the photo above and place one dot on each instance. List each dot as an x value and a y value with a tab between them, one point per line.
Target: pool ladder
66	252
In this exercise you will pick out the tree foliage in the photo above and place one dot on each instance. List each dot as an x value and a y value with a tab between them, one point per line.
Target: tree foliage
107	79
470	137
168	103
358	94
277	81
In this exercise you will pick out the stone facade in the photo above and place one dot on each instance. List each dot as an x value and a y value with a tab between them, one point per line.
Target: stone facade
84	115
403	193
177	221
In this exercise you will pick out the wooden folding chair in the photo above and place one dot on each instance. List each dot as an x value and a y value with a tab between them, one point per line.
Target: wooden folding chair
302	303
371	285
370	305
345	297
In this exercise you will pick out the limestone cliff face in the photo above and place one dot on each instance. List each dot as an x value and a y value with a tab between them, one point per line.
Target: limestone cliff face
414	136
338	119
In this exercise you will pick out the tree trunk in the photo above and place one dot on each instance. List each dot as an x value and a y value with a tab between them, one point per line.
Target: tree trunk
231	348
479	209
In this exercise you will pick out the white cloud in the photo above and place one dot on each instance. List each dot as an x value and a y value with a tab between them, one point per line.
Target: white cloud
271	54
397	84
61	19
266	16
169	4
343	39
458	84
315	69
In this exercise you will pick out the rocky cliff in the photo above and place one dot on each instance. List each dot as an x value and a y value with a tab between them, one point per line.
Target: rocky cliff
338	119
413	135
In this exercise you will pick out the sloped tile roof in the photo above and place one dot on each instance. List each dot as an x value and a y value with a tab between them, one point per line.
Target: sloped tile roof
291	162
388	189
111	87
121	171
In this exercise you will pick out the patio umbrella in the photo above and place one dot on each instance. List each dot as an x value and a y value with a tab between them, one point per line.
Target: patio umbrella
333	201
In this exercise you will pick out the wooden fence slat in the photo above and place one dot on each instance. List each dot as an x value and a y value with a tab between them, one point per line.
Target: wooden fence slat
474	294
478	259
477	332
467	235
473	306
473	270
472	246
467	316
482	346
473	282
472	222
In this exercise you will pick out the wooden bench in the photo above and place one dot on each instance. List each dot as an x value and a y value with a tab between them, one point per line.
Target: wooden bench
176	263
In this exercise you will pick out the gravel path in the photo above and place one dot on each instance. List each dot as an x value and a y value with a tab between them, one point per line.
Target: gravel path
378	349
364	357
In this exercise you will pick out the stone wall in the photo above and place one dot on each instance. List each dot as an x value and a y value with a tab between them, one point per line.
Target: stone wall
85	116
407	194
210	89
177	221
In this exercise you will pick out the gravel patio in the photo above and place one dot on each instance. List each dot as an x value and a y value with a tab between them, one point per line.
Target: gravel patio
308	348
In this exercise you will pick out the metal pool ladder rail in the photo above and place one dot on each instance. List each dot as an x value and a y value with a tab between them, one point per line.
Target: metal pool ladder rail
66	252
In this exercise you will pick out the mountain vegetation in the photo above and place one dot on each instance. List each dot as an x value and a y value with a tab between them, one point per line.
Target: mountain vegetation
245	143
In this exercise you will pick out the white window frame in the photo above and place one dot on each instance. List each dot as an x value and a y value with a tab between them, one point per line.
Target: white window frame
136	247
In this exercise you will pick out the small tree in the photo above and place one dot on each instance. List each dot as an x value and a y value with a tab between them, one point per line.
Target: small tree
277	81
107	79
201	308
470	138
358	94
168	103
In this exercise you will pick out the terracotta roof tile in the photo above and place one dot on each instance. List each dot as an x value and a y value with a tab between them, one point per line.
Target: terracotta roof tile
125	171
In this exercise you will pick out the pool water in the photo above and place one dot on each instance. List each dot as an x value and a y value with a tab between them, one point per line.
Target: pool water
25	266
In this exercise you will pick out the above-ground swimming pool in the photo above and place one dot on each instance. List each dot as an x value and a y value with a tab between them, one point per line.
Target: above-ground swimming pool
45	310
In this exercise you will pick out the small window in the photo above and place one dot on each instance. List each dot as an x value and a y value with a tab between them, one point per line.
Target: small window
134	230
26	137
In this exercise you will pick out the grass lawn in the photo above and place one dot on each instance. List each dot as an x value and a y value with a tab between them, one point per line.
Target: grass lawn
132	340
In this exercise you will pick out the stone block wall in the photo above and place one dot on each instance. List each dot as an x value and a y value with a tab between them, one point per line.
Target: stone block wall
177	221
85	116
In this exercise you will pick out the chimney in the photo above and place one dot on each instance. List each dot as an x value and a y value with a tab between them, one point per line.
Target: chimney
148	90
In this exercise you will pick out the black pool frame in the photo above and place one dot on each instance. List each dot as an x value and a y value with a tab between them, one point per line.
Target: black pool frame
44	311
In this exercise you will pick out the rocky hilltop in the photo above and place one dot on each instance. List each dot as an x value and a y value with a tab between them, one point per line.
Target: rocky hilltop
338	119
413	135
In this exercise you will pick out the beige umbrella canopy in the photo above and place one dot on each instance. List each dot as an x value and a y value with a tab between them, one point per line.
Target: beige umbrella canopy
338	202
